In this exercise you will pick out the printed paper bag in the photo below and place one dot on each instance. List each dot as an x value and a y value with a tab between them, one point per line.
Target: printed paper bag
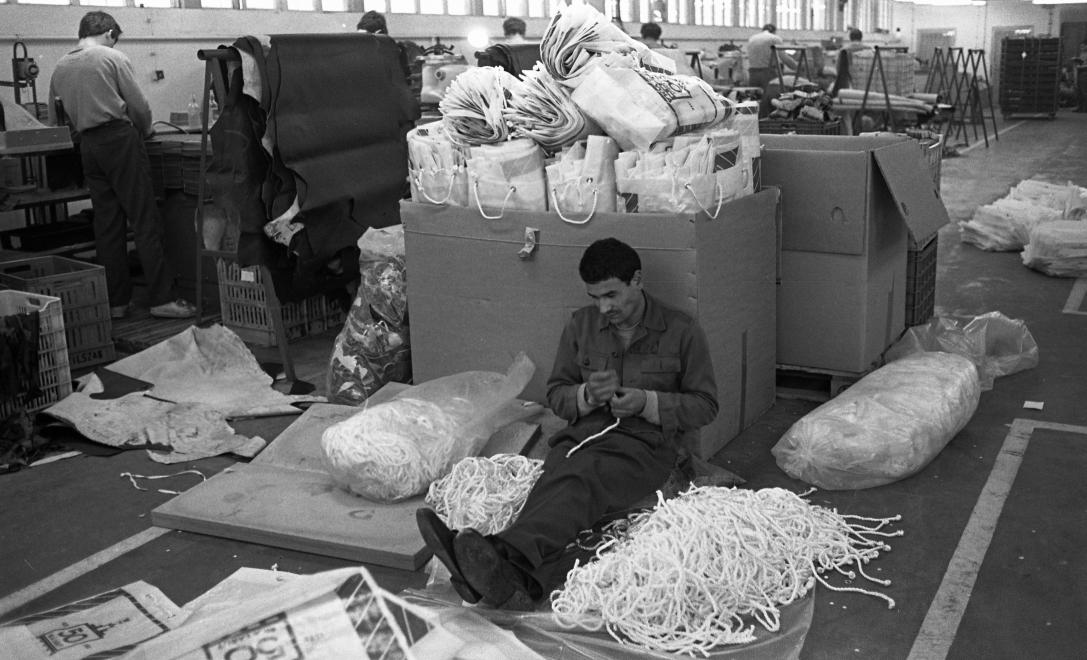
581	182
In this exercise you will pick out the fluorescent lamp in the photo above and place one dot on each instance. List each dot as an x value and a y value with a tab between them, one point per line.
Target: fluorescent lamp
1058	2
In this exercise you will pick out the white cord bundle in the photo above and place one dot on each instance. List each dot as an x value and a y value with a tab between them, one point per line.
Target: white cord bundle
486	494
686	573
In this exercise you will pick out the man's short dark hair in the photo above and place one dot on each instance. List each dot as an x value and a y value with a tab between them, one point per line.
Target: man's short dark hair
855	35
512	26
651	31
95	23
373	22
607	258
770	27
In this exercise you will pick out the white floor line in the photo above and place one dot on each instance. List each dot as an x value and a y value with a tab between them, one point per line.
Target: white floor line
948	606
1001	132
78	569
1074	304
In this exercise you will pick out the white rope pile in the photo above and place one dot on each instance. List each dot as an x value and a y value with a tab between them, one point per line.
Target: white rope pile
486	494
690	575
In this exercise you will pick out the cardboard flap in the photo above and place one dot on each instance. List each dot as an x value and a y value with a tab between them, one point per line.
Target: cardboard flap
915	194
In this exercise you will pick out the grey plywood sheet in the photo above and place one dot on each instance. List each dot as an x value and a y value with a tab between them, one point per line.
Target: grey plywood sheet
285	498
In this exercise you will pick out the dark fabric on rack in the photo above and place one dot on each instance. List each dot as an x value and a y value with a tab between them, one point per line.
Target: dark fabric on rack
337	109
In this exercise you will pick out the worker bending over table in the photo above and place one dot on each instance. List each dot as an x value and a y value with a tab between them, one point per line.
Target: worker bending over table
96	86
632	376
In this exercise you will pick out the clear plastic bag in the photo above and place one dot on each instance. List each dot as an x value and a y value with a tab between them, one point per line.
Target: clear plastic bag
373	348
394	450
886	427
997	345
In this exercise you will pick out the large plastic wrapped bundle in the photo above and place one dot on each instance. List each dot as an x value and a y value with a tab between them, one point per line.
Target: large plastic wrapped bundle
1058	249
886	427
997	345
1005	224
638	107
1042	193
394	450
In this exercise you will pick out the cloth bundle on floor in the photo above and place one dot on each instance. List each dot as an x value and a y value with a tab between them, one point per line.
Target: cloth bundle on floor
1005	224
886	427
1058	249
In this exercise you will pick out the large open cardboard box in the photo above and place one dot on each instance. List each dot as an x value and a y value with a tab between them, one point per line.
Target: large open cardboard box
848	206
475	301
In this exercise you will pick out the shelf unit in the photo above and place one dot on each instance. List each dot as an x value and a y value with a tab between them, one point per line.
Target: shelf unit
1030	76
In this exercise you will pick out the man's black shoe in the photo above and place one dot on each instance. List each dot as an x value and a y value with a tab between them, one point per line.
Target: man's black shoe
499	582
439	539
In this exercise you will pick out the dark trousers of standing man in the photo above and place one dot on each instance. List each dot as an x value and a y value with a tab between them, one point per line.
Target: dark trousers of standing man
118	174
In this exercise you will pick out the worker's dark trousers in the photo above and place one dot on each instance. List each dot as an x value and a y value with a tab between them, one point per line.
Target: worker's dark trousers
118	174
604	476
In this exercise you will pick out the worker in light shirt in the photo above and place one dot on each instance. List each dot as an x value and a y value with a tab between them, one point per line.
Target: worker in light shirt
96	87
634	378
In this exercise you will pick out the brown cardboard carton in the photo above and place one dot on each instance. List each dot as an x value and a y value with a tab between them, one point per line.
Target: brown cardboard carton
476	299
848	206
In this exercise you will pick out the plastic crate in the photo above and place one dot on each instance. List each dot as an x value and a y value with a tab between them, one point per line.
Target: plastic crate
921	283
54	375
800	127
244	309
81	288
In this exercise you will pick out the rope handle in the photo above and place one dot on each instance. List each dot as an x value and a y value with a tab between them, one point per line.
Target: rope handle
592	212
720	199
423	192
479	204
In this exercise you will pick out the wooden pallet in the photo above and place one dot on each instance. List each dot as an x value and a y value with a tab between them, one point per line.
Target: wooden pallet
809	384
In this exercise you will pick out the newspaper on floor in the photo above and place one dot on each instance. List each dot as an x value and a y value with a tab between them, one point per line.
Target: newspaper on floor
100	626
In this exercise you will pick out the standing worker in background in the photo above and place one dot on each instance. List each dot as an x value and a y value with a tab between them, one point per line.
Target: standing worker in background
760	69
844	77
651	35
373	22
513	30
633	377
97	88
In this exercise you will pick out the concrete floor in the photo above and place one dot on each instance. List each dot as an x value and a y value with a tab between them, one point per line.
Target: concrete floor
991	564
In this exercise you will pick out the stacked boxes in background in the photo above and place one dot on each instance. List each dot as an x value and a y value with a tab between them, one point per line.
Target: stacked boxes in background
243	303
849	208
81	288
54	375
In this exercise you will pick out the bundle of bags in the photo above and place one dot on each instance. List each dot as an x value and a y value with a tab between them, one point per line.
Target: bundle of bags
1007	223
550	139
373	349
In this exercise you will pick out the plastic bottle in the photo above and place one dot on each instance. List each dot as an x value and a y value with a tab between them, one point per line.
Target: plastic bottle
194	113
213	111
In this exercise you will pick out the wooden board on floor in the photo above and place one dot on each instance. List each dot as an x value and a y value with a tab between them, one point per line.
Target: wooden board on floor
285	498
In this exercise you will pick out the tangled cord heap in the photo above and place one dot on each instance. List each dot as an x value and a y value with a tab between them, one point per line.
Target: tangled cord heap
683	576
486	494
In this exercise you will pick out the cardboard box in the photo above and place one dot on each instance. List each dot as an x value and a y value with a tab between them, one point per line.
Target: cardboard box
848	207
474	302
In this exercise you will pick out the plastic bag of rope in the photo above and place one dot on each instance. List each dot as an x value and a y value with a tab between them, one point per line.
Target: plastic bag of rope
997	345
373	348
394	450
886	427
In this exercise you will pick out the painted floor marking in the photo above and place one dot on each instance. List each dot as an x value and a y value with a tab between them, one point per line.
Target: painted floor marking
78	569
1074	304
982	142
948	606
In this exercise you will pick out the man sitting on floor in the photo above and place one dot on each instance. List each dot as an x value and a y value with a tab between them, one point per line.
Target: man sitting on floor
633	377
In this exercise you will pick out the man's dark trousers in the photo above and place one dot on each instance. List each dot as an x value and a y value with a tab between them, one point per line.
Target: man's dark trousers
118	174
